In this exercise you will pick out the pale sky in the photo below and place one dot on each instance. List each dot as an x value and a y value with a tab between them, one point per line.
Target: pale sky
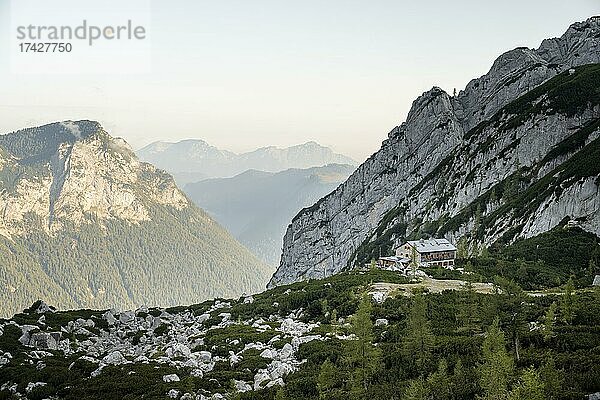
247	74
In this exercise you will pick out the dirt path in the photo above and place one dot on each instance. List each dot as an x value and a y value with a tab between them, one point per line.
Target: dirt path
381	290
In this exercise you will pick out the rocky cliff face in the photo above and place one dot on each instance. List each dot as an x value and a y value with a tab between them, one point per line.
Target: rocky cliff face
88	175
85	223
507	157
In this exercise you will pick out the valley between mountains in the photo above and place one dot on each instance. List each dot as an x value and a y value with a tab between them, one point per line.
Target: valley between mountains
117	284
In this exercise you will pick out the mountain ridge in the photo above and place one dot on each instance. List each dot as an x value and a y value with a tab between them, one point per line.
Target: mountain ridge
377	206
255	206
193	160
80	200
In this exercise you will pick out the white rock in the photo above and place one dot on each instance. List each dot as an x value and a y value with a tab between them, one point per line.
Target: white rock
97	371
286	352
205	356
278	382
260	377
126	317
25	336
197	373
171	378
378	297
9	387
44	308
203	318
173	393
31	386
109	317
268	353
242	386
234	358
142	309
381	322
114	358
178	350
280	369
226	316
5	359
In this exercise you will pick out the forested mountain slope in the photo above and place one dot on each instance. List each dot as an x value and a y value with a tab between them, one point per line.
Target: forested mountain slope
256	206
83	223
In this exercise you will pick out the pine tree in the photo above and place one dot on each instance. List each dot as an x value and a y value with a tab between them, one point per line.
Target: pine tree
515	301
549	320
467	313
334	319
493	197
462	248
416	390
567	303
497	368
280	395
485	253
592	267
439	382
327	379
419	340
512	184
362	356
461	384
413	261
552	378
530	387
373	265
477	222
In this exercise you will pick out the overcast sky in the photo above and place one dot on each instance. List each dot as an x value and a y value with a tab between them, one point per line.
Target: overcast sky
245	74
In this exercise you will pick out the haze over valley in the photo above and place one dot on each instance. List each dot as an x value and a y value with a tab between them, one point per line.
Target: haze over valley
459	261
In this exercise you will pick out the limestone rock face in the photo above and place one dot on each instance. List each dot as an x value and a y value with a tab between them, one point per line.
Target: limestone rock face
81	177
447	154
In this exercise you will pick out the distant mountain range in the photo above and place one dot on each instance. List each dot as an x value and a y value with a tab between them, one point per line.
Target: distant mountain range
194	160
84	223
257	206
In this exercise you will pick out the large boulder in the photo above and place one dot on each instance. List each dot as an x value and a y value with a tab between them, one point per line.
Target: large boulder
126	317
178	350
45	340
286	352
261	377
205	356
279	369
242	386
42	308
114	358
171	378
109	317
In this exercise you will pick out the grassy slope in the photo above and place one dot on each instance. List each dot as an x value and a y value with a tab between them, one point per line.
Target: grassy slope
179	257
